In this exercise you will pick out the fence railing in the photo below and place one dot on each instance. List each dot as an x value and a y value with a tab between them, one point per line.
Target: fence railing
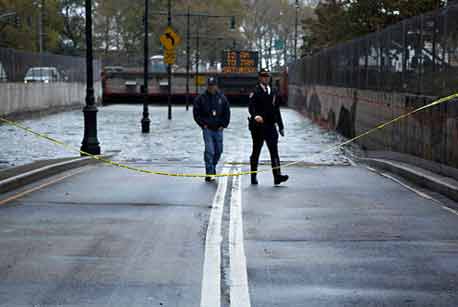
21	66
418	55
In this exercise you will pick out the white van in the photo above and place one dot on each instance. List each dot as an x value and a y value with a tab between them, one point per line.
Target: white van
42	74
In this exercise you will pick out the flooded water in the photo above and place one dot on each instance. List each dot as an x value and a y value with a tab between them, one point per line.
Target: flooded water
178	140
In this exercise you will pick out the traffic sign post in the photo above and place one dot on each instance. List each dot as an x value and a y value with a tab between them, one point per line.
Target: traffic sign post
170	56
170	40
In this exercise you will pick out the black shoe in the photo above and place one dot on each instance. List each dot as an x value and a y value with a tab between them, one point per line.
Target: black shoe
253	168
209	179
254	180
280	178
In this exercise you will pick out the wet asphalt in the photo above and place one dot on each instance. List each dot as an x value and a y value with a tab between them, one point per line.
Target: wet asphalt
105	237
344	236
334	235
178	141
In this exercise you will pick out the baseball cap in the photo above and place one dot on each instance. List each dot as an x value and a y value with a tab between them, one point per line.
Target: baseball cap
264	72
211	81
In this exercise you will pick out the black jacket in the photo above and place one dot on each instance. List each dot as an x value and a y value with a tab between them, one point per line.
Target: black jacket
265	105
212	111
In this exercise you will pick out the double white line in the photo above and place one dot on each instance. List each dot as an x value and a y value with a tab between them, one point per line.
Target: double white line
239	293
238	281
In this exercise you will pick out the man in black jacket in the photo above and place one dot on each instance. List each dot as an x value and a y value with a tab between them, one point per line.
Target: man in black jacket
212	113
264	108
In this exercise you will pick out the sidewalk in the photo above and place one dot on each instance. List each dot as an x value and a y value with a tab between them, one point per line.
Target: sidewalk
427	174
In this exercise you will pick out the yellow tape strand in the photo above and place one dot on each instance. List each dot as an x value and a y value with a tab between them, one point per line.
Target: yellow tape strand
140	170
381	126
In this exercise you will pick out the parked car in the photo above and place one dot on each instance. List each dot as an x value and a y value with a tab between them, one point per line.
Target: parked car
109	69
3	76
42	74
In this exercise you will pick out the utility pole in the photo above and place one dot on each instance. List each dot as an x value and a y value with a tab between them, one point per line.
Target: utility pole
169	67
145	120
90	142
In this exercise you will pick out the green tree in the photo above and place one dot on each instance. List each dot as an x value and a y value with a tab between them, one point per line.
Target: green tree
337	21
73	31
25	35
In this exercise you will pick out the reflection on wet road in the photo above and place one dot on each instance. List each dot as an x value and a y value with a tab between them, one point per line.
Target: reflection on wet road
179	140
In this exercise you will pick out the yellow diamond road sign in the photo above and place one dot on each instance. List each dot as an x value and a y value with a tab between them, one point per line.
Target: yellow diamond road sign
170	56
200	80
170	39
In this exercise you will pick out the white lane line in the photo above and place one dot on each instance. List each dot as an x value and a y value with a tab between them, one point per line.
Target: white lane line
450	210
211	280
238	286
419	193
405	185
44	185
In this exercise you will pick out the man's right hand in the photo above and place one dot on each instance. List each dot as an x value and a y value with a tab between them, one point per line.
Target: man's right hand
259	119
205	126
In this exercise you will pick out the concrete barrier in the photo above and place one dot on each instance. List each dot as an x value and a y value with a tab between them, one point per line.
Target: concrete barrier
20	98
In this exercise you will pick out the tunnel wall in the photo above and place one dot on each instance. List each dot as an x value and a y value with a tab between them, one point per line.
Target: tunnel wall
20	98
431	134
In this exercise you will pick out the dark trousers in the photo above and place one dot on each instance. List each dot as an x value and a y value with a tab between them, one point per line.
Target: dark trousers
269	135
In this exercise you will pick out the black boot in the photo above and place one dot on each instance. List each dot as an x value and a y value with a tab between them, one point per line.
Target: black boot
254	168
278	177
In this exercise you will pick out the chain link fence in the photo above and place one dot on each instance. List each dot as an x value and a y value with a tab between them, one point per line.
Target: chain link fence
21	66
373	79
418	56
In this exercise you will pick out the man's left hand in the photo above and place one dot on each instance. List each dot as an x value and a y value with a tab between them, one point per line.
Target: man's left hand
221	128
282	132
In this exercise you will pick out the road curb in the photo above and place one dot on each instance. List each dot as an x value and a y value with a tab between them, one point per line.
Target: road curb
431	182
28	177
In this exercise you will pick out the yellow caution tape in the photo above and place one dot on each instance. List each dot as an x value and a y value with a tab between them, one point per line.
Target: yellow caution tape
141	170
381	126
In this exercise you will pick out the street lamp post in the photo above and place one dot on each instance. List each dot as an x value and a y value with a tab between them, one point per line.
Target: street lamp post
169	67
41	6
188	49
90	142
145	120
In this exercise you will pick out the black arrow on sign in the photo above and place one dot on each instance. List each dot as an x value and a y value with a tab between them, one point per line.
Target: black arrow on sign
170	37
